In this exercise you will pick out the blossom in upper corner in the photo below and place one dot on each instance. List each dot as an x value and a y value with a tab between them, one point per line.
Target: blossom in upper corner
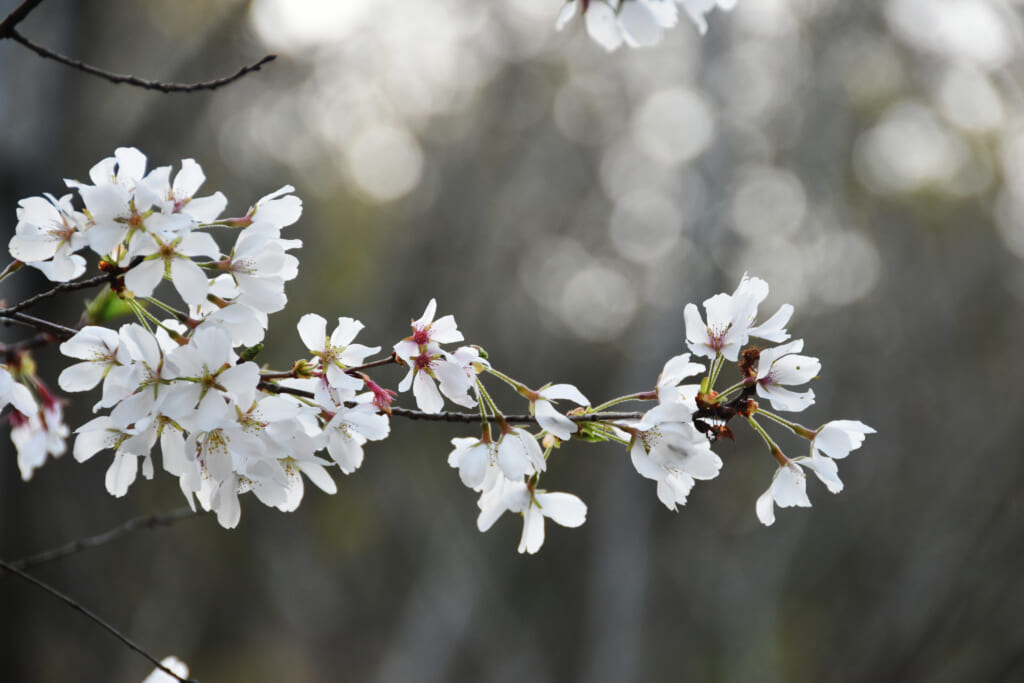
637	23
783	365
515	496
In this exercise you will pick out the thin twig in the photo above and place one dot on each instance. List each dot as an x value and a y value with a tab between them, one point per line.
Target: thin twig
392	359
64	287
16	16
25	320
134	80
465	418
76	546
469	418
73	604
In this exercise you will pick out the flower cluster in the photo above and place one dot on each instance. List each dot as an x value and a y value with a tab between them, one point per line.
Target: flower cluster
637	23
182	378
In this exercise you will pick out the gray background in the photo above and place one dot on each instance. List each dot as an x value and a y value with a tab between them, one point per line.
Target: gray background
867	159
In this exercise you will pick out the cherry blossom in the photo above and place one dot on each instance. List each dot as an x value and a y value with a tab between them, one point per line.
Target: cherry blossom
782	366
549	418
515	496
668	449
788	489
15	393
48	233
336	353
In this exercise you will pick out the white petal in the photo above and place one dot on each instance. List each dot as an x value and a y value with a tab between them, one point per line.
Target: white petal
428	398
81	376
639	25
603	26
143	278
562	508
566	14
190	280
553	421
121	473
533	531
766	508
565	391
313	331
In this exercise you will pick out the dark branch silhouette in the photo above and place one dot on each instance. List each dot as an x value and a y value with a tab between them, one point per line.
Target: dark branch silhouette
59	331
78	607
78	545
8	30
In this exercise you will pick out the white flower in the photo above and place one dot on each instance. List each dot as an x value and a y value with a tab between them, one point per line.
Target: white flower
171	256
48	233
549	418
109	200
638	23
427	331
788	489
337	353
668	449
837	438
515	496
833	440
599	18
277	210
98	347
476	460
179	208
16	393
782	366
643	21
350	428
675	371
730	321
519	454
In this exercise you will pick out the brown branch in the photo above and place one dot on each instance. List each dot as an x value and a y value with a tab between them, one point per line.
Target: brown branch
105	278
25	320
78	607
76	546
46	53
464	418
16	16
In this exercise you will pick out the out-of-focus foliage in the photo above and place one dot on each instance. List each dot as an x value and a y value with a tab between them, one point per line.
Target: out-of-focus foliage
864	158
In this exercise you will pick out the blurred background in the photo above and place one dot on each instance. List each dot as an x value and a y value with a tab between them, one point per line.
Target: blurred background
866	158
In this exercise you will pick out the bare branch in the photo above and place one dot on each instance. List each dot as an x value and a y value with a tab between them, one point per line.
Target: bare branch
73	604
60	331
16	17
464	418
76	546
105	278
133	80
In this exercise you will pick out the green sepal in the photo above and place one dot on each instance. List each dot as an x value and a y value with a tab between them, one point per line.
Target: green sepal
107	305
